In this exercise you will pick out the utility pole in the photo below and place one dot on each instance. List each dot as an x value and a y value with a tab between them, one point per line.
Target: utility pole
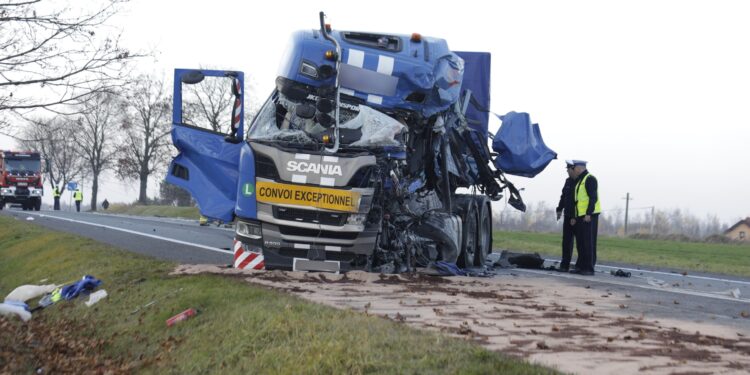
653	219
627	206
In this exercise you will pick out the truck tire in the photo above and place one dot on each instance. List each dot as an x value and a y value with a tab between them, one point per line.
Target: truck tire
484	230
37	204
2	204
470	222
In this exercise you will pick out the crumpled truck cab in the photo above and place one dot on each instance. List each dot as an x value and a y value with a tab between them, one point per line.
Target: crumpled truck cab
357	159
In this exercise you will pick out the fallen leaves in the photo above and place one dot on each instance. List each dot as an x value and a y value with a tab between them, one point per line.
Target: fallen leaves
590	303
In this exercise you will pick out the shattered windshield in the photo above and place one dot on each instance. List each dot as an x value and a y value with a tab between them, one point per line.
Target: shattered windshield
23	165
307	122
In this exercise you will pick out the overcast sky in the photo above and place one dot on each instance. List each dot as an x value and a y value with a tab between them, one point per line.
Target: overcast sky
654	94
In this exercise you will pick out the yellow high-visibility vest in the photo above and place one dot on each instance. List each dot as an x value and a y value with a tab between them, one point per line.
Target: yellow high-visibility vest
56	193
582	198
78	195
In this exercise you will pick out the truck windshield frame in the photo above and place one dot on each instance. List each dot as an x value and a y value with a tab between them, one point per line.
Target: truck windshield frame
23	165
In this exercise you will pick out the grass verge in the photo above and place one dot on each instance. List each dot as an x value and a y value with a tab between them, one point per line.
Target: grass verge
239	328
153	210
728	259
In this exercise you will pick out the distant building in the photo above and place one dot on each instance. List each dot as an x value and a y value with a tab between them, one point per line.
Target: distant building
739	231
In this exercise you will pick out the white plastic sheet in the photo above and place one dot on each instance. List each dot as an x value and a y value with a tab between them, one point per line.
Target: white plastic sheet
26	292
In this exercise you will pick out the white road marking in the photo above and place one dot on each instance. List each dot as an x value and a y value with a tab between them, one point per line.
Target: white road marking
137	233
593	279
668	273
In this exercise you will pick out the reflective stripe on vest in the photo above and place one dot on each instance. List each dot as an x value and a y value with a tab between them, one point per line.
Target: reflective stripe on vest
582	198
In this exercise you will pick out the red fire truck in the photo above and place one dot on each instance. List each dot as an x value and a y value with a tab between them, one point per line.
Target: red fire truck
21	179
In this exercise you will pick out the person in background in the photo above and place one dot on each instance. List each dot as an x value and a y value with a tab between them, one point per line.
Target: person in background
78	197
105	204
586	221
56	195
566	210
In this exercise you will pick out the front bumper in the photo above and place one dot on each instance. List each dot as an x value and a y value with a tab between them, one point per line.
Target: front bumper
18	194
299	249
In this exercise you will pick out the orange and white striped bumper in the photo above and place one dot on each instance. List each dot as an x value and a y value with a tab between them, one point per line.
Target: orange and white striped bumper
247	260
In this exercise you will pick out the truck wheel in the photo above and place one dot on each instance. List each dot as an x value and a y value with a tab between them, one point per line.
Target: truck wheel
468	234
37	204
484	232
2	205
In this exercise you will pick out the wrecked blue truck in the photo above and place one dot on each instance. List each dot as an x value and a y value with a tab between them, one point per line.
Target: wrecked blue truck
371	153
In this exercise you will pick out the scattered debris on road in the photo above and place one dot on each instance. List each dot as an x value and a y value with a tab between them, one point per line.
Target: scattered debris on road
543	320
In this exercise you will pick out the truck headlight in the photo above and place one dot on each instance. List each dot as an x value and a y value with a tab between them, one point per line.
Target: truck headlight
356	219
6	191
249	230
36	192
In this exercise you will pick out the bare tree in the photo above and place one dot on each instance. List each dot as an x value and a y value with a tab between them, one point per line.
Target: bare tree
54	140
208	104
145	148
97	136
52	54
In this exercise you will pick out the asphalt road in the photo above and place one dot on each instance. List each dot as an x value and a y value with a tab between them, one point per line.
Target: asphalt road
653	292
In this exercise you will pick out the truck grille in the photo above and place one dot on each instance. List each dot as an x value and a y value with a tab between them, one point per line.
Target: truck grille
304	232
309	216
265	167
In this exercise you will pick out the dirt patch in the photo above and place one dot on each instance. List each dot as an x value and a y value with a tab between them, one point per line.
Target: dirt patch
40	347
549	322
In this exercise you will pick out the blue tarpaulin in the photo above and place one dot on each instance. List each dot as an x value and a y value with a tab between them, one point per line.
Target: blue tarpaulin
521	150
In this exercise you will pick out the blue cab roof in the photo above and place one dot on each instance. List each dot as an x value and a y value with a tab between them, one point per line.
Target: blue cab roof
386	70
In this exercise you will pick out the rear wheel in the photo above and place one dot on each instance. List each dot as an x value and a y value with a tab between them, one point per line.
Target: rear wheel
484	232
468	234
37	204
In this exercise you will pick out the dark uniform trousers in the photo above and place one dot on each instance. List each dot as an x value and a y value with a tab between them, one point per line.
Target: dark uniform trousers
57	203
568	232
78	206
586	236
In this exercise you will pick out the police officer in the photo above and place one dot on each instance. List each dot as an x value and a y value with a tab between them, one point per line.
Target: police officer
586	221
78	197
566	210
56	195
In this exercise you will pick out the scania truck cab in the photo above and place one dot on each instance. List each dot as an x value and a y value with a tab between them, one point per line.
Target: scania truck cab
371	153
21	179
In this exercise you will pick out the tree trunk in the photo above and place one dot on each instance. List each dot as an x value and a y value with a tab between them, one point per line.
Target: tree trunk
94	190
144	186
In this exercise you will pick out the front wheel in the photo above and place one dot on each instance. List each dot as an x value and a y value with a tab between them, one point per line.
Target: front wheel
37	204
